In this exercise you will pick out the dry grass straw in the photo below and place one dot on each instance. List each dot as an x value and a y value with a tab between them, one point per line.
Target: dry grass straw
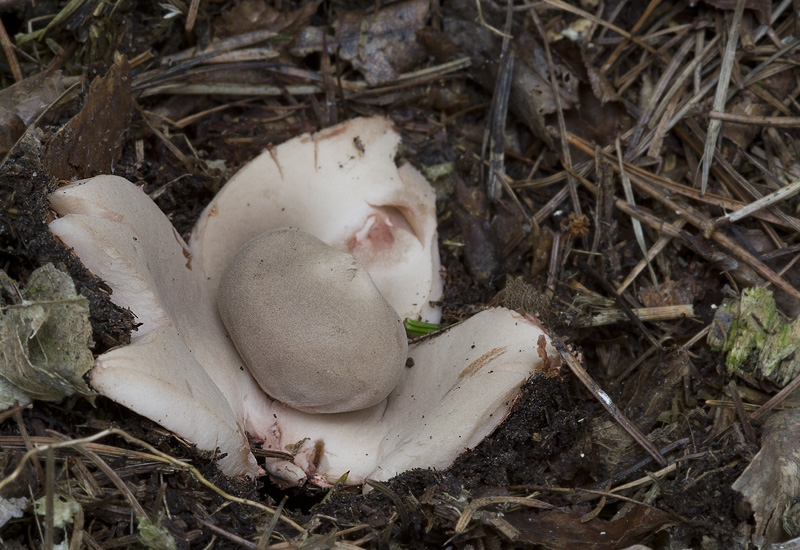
82	446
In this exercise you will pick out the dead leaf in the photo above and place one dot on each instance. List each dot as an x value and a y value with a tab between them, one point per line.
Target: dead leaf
258	15
493	240
557	530
594	120
652	389
89	143
471	212
669	293
45	336
763	8
381	45
21	103
745	104
770	483
601	86
531	95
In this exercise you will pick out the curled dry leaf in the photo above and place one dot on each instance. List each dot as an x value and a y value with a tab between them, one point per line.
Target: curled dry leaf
565	530
92	140
22	102
258	15
382	44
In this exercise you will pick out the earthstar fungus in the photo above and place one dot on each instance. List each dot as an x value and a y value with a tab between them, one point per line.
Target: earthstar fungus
183	371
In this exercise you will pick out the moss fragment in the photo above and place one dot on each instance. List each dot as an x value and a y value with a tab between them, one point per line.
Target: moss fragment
758	340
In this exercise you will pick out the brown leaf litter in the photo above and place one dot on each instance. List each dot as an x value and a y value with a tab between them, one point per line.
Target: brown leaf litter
569	144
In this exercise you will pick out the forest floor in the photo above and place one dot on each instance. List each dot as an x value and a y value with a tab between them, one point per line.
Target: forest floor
625	171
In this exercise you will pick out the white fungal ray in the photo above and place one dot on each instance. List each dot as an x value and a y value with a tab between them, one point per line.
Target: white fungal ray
342	186
182	371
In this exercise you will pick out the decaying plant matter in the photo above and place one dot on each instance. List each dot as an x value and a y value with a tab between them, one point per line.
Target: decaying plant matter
628	167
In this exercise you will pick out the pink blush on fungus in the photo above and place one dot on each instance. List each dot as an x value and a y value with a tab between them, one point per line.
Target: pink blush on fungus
376	235
342	186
